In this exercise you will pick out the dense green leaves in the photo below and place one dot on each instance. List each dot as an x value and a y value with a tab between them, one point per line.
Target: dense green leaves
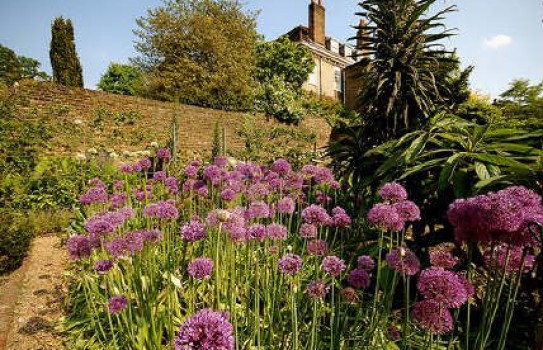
123	79
64	60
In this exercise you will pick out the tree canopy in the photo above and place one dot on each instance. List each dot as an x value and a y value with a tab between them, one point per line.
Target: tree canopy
122	79
199	52
64	60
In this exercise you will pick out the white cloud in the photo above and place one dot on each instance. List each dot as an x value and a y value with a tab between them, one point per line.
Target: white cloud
497	41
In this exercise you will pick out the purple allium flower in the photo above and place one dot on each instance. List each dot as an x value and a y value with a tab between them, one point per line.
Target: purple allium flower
195	163
350	295
317	247
134	242
366	262
277	232
220	161
308	231
508	258
118	184
258	191
136	168
295	182
79	247
340	217
431	316
193	231
164	154
212	173
393	192
258	209
257	232
393	333
191	172
145	163
200	268
359	279
125	168
443	258
289	264
103	266
407	210
151	236
228	195
203	191
281	166
99	226
403	261
286	205
118	200
236	226
206	330
94	195
161	210
117	247
142	194
317	289
117	304
96	182
445	287
315	214
322	198
333	265
385	216
159	176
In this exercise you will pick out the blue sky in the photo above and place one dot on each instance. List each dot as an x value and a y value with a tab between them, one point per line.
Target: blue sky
502	38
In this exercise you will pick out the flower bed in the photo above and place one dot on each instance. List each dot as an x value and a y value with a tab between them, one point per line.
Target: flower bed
245	256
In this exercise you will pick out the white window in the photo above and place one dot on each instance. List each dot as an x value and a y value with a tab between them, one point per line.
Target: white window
338	79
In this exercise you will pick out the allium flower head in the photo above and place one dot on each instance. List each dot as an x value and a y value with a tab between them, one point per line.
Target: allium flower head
349	295
257	232
359	279
340	217
206	330
443	258
193	231
159	176
164	154
161	210
385	216
508	258
79	247
286	205
317	247
403	261
431	316
308	231
289	264
366	262
281	166
258	209
393	192
145	163
117	304
103	266
316	215
200	268
94	195
191	172
445	287
333	265
220	161
277	232
407	210
228	195
317	289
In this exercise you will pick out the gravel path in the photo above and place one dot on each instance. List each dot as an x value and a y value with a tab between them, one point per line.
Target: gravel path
31	299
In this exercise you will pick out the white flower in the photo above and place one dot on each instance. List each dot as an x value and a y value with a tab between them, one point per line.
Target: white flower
146	153
80	156
78	122
154	144
114	155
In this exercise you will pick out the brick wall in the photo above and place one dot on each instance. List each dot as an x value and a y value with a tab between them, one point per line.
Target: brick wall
72	114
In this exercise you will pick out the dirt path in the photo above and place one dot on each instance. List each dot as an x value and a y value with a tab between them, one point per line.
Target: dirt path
31	299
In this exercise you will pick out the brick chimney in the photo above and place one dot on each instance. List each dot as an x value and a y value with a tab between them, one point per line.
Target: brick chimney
317	31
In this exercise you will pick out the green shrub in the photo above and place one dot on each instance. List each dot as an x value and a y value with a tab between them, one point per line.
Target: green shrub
16	233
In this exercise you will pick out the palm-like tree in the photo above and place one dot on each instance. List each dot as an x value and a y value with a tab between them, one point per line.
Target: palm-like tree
402	58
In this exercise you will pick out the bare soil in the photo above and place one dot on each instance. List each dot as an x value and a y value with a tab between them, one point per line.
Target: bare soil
31	299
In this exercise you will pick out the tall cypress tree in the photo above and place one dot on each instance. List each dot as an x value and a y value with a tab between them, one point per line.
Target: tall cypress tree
64	60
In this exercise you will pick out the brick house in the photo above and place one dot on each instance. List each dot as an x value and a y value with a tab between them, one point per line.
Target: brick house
332	77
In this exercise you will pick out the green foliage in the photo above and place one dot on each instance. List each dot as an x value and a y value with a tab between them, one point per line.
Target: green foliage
522	102
404	58
265	144
123	79
199	52
15	238
285	59
277	98
30	69
64	60
10	67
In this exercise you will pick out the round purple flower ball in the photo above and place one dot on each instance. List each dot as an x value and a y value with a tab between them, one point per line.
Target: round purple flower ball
443	258
206	330
359	279
445	287
366	262
385	216
317	289
333	265
308	231
79	247
103	266
393	192
193	231
316	215
286	205
431	316
403	261
116	304
164	154
257	232
290	264
277	232
200	268
317	247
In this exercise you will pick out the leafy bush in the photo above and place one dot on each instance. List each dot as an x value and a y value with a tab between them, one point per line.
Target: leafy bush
16	233
277	98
